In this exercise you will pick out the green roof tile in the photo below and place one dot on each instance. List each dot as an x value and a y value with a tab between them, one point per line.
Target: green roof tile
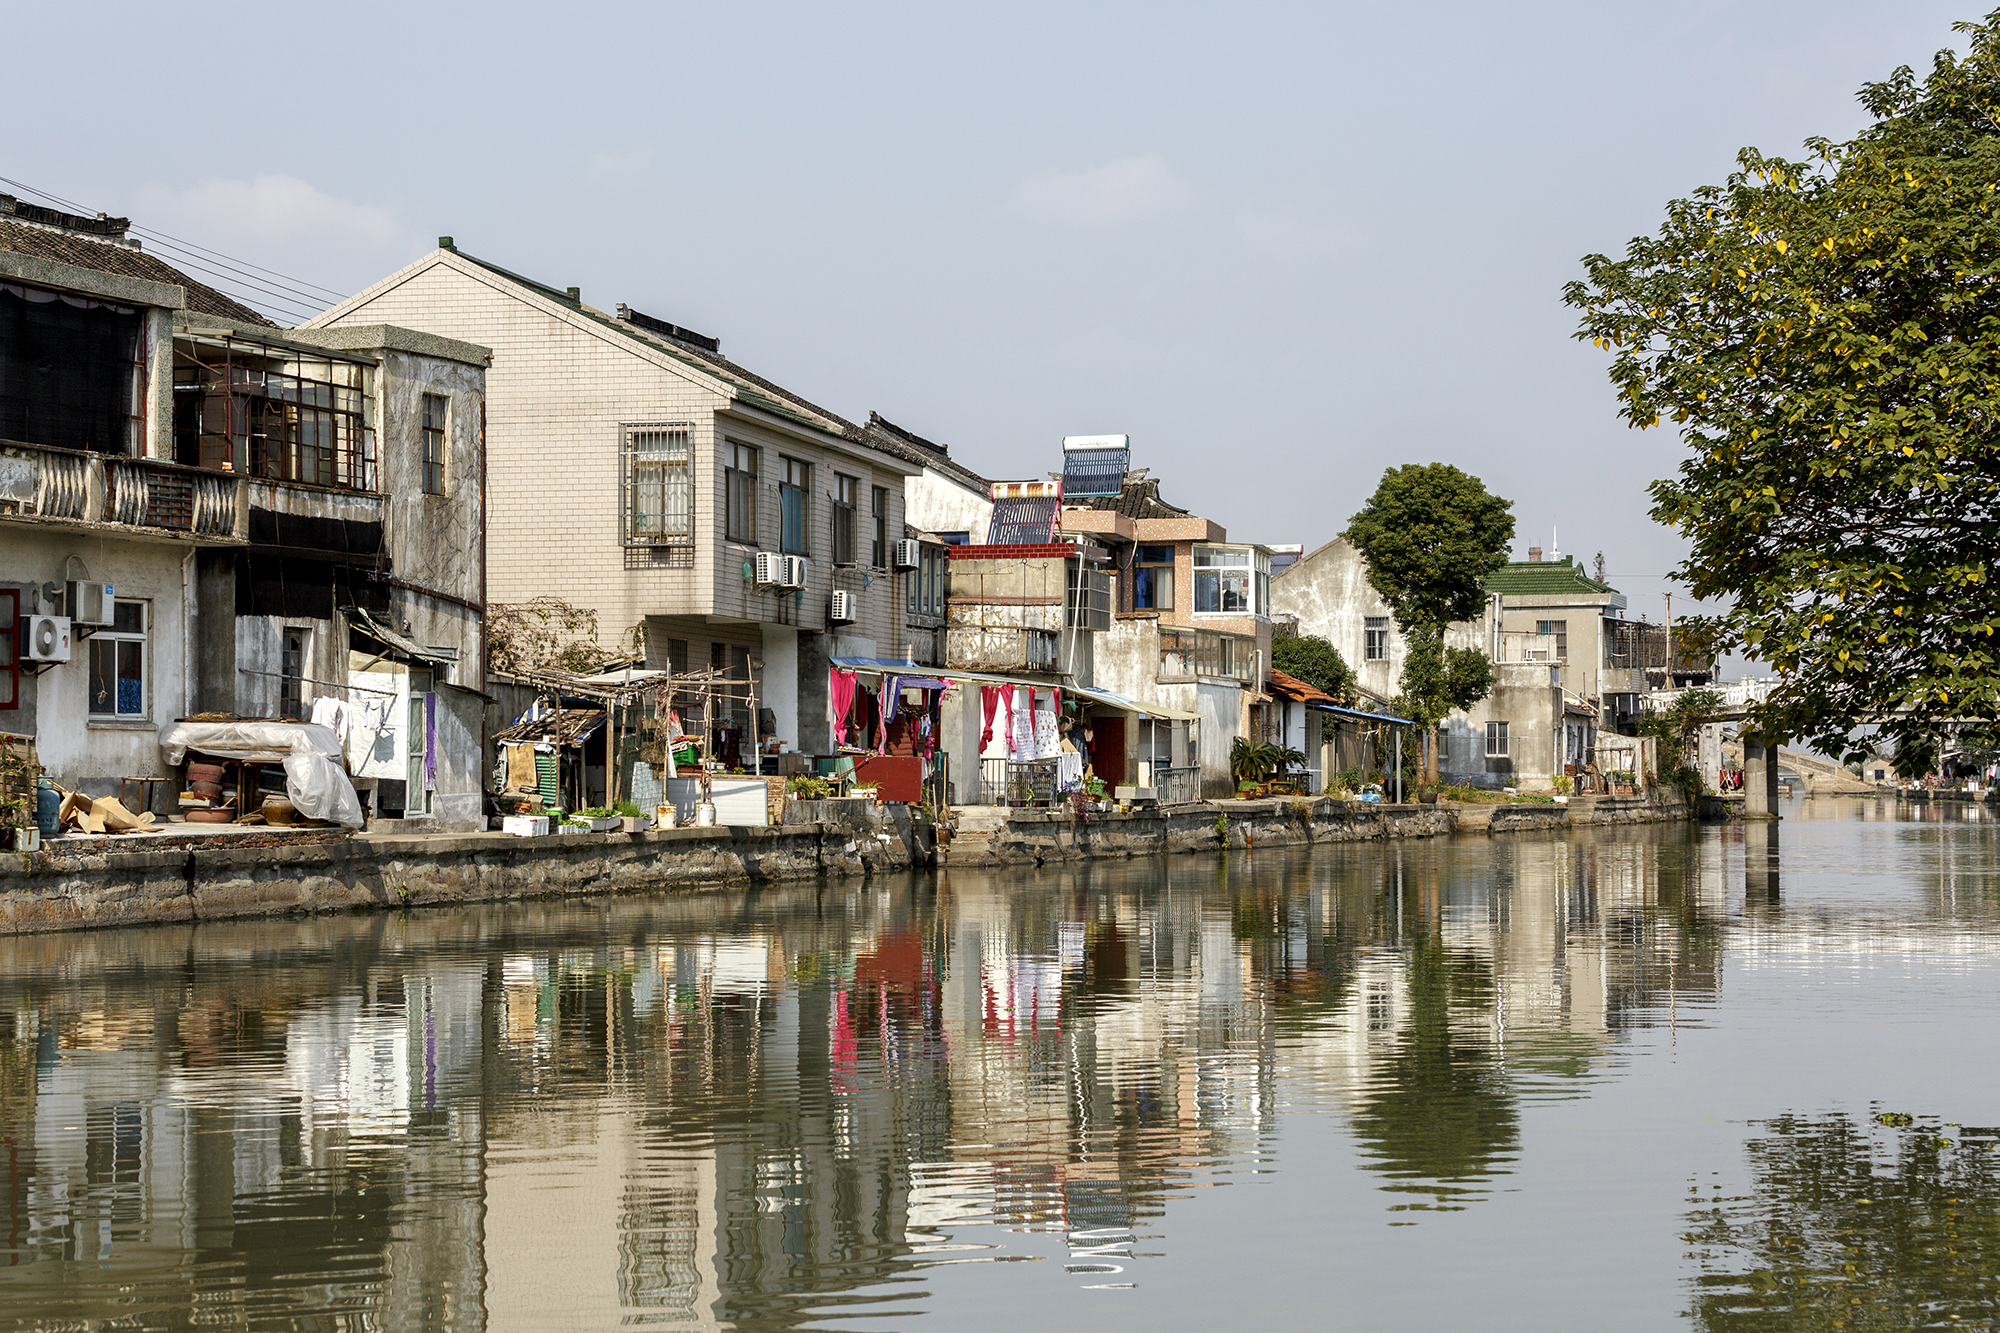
1544	578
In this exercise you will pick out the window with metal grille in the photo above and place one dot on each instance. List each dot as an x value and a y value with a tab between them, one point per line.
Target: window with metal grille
1496	740
434	412
794	509
844	493
118	664
1559	631
1089	602
878	556
739	484
924	586
10	648
1375	641
659	499
1153	579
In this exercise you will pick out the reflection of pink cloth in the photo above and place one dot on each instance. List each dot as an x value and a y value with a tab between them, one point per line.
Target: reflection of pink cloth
840	688
989	699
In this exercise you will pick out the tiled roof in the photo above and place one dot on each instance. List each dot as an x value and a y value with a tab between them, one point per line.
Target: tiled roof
1545	578
1140	498
881	433
1291	687
751	387
68	248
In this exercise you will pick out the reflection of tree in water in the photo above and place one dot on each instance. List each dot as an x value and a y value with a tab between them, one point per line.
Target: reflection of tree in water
1853	1226
1441	1112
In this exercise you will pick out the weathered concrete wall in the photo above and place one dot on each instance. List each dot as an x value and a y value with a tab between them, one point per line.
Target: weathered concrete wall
81	750
934	502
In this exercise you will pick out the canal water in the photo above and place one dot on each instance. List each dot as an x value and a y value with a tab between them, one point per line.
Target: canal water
1624	1079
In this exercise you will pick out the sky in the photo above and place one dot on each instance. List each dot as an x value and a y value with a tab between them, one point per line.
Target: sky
1284	247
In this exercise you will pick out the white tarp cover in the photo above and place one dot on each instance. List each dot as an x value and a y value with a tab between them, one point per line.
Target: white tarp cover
315	777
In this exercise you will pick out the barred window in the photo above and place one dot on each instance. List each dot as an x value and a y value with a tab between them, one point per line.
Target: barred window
659	509
1090	604
1177	654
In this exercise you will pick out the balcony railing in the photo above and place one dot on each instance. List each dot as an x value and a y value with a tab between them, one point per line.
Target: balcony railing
146	493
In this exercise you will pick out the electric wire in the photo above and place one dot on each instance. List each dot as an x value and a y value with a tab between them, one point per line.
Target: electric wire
296	298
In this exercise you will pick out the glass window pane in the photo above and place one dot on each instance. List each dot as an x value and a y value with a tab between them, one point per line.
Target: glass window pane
128	618
103	676
1207	591
131	683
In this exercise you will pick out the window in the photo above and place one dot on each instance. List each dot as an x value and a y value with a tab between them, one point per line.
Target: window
659	508
1177	654
1089	605
1231	580
118	664
879	555
291	673
793	514
844	491
1375	641
10	648
924	586
434	409
1153	579
1559	631
739	485
1496	740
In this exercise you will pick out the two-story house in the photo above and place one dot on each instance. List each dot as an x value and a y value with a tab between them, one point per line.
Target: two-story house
706	516
231	518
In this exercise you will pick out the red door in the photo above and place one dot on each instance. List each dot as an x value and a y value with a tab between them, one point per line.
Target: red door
1107	749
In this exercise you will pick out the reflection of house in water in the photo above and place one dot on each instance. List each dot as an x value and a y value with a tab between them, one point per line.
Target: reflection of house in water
687	1110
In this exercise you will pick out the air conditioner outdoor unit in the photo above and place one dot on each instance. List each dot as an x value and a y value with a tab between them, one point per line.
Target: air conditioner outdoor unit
795	571
88	603
907	552
770	567
843	608
47	638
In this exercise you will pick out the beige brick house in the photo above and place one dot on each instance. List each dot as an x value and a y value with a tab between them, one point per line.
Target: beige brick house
634	471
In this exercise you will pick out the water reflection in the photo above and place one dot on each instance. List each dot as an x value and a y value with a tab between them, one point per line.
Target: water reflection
784	1108
1853	1224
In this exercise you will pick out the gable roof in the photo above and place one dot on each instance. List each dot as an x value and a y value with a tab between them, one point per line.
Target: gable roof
66	247
1545	578
885	435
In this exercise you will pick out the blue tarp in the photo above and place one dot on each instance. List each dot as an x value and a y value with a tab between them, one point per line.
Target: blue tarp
1355	712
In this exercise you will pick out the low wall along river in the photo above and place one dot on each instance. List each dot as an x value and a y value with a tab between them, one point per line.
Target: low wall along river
122	884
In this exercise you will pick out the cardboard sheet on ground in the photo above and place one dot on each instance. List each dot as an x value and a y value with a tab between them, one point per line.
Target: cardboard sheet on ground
315	773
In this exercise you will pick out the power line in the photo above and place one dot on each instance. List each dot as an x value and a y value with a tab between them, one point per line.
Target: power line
291	296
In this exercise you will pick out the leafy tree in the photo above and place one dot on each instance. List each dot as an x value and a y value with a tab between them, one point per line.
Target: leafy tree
1316	662
1823	332
1430	535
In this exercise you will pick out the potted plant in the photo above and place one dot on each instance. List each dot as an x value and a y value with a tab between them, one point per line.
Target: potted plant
630	819
601	819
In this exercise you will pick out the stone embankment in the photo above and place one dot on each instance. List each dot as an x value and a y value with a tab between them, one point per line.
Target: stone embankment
1019	837
69	886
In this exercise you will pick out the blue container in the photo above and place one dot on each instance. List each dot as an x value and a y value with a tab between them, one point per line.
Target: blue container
48	804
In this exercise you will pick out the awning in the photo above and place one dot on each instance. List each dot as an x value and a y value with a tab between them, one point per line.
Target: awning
1110	699
1356	712
888	667
400	642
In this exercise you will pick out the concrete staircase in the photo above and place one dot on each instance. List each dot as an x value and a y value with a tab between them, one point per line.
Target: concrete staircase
977	825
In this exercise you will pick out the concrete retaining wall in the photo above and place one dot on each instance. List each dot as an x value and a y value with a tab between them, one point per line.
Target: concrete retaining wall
1039	836
61	889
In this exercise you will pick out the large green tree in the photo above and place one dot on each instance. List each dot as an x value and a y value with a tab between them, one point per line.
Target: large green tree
1825	334
1430	535
1313	660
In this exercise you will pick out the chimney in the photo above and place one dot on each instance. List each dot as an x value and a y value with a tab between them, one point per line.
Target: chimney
1534	555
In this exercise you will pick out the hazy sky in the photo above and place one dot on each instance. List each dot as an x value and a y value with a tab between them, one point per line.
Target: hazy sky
1283	247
